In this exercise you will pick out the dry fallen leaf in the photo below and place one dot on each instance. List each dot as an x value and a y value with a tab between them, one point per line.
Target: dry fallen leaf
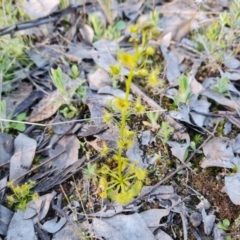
70	144
152	217
5	218
219	153
232	186
24	152
20	228
122	227
99	79
46	107
6	147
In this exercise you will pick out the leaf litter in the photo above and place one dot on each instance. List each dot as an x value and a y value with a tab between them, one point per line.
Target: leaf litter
69	148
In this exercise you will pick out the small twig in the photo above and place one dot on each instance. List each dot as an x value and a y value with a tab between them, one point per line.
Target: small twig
53	17
70	121
231	234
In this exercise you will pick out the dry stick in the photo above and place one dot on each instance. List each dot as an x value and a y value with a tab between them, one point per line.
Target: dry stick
53	17
230	234
4	164
50	159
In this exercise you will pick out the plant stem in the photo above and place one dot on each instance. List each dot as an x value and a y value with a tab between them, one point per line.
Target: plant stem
123	122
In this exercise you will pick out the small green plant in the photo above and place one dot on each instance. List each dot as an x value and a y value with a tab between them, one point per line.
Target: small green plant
63	4
67	90
123	180
90	171
111	33
218	37
165	132
224	225
7	126
184	92
69	111
153	117
221	85
197	138
235	168
154	16
11	47
21	195
60	83
97	25
114	32
74	72
192	147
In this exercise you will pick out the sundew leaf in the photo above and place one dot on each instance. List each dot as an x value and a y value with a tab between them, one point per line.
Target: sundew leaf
103	184
136	188
104	169
124	197
140	173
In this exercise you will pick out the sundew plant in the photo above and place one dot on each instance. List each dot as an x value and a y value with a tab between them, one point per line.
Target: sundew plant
124	181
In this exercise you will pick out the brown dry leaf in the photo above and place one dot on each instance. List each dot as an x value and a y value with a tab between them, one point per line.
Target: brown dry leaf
46	107
16	97
38	209
5	218
232	186
68	143
172	69
152	217
87	33
219	153
24	152
21	228
122	227
179	30
99	79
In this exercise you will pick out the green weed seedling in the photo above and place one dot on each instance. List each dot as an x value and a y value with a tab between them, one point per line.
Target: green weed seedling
114	32
197	138
68	109
11	47
192	147
184	91
74	72
165	132
221	85
220	35
224	225
153	117
97	25
90	171
111	33
21	195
